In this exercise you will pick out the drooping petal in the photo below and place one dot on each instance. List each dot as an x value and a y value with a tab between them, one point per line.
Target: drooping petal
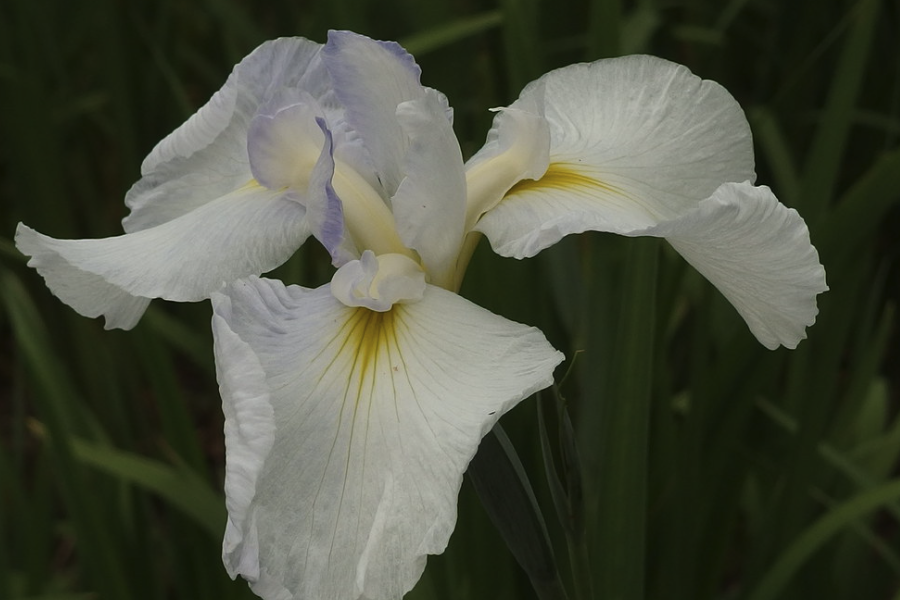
757	252
376	418
250	433
371	79
430	203
206	157
633	141
250	231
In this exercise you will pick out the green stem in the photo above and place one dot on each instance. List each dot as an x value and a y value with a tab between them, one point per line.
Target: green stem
623	463
581	568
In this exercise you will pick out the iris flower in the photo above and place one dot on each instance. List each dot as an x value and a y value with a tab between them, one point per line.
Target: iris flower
353	409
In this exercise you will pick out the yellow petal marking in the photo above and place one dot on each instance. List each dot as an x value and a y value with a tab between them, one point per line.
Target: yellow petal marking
369	335
563	176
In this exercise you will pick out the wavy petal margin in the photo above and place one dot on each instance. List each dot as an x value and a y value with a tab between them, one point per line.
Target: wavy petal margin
371	78
376	417
757	252
245	233
206	157
633	141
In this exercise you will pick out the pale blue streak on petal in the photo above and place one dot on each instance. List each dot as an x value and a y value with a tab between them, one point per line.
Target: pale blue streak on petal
370	80
284	140
206	157
325	210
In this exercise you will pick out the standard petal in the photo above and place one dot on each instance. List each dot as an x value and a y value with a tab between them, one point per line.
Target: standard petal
285	139
517	148
430	203
290	146
248	232
376	418
371	79
206	157
634	141
757	252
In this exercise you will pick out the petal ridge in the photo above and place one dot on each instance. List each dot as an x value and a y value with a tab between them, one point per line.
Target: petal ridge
386	457
653	138
757	252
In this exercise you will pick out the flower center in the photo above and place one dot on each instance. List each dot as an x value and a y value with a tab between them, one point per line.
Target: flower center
379	282
368	220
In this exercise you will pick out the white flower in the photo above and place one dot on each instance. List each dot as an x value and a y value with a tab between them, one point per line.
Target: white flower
352	410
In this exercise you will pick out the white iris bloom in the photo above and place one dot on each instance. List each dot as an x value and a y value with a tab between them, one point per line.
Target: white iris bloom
352	410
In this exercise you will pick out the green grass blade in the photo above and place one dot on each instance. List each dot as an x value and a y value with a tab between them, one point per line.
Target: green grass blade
861	209
621	527
775	148
822	166
450	33
180	487
522	43
97	544
499	479
818	534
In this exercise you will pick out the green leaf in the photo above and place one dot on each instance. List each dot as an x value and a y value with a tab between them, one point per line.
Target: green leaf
818	534
180	487
861	210
827	149
499	479
54	397
568	493
450	33
774	146
624	441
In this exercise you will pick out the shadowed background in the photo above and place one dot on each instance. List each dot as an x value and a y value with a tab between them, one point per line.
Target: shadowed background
711	468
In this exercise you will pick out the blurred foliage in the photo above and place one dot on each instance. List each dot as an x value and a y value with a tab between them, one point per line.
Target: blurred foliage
708	467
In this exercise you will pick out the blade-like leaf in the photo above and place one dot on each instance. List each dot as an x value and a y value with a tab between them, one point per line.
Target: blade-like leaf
499	479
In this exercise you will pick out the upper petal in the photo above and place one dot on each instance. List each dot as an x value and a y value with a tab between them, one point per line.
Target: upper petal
371	79
284	140
290	146
206	157
757	252
430	203
248	232
633	141
376	418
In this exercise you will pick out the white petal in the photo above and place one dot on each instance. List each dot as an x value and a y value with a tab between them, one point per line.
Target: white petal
248	232
378	282
757	252
206	157
290	146
517	148
633	141
377	416
249	435
284	140
90	295
371	79
430	203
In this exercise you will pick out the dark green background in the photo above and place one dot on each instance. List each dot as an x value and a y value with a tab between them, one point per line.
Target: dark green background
712	468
